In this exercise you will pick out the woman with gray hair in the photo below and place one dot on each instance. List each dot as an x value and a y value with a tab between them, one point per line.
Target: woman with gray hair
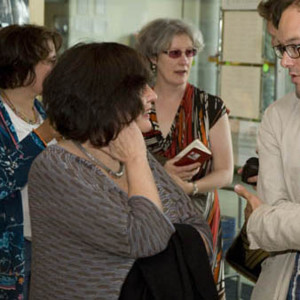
183	113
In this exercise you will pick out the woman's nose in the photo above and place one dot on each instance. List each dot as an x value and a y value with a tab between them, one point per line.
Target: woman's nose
183	58
150	94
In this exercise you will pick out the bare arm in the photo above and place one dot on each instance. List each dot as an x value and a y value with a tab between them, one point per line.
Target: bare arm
221	147
222	172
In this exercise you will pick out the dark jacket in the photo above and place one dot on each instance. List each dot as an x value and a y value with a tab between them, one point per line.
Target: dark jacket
181	272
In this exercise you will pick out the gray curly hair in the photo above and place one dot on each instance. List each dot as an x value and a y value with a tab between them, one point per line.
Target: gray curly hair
157	36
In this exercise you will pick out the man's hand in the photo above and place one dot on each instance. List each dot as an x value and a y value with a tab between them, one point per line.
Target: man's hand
253	202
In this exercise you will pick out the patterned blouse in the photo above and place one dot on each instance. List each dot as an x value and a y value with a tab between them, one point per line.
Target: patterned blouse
15	160
196	115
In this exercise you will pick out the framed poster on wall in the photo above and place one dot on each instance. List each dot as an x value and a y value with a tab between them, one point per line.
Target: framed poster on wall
240	4
243	37
240	90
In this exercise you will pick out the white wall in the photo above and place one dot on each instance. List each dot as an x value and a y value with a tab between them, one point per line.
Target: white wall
119	20
116	20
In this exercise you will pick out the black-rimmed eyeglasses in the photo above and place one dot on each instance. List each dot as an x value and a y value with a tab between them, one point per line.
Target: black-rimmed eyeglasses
292	50
177	53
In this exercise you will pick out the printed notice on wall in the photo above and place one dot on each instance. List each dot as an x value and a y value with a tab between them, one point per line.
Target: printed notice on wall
242	37
240	90
240	4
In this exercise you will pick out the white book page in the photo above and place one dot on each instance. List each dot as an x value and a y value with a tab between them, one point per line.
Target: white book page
195	144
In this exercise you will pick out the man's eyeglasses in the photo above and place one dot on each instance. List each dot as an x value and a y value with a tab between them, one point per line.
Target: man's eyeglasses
177	53
292	50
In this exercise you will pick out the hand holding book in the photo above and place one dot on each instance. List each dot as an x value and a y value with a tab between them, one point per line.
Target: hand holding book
196	151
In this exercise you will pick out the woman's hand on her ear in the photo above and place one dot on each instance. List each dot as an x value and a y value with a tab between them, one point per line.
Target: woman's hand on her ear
129	144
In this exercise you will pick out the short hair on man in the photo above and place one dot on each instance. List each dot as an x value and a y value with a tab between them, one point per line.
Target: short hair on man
271	10
22	47
95	90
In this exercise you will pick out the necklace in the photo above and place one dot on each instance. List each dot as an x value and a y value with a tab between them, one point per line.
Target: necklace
96	161
18	113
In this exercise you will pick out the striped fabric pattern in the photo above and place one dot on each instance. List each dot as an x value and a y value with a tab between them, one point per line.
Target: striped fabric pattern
86	233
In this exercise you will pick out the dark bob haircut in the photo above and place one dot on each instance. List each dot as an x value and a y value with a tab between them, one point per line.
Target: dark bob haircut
94	91
22	47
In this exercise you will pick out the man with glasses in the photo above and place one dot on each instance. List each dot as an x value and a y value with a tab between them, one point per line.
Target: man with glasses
292	50
274	224
271	11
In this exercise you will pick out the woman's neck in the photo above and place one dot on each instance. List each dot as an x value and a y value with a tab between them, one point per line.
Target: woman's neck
166	105
102	154
169	93
21	98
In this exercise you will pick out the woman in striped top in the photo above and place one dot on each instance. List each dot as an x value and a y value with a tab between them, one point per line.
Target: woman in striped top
98	200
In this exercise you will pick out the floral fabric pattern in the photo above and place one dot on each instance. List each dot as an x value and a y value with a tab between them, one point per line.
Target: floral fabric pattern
15	161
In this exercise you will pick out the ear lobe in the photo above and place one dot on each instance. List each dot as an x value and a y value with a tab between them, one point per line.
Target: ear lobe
153	60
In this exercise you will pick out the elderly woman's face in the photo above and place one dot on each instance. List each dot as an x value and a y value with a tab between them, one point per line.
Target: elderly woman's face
175	71
148	97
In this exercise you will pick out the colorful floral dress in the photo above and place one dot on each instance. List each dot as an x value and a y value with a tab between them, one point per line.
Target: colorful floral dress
196	115
15	161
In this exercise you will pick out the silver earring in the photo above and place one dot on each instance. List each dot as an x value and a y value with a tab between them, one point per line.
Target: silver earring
153	68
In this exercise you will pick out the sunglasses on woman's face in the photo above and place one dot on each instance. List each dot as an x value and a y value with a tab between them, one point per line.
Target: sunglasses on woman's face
178	53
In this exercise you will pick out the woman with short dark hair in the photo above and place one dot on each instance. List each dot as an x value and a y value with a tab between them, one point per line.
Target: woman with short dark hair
98	201
27	55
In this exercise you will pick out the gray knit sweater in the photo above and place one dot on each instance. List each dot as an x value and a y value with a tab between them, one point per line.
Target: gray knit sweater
86	232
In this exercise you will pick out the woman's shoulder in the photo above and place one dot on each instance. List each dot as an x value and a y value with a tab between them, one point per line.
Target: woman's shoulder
208	102
48	156
65	168
58	155
205	96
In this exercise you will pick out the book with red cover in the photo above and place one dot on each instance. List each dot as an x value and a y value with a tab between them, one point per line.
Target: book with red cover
196	151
